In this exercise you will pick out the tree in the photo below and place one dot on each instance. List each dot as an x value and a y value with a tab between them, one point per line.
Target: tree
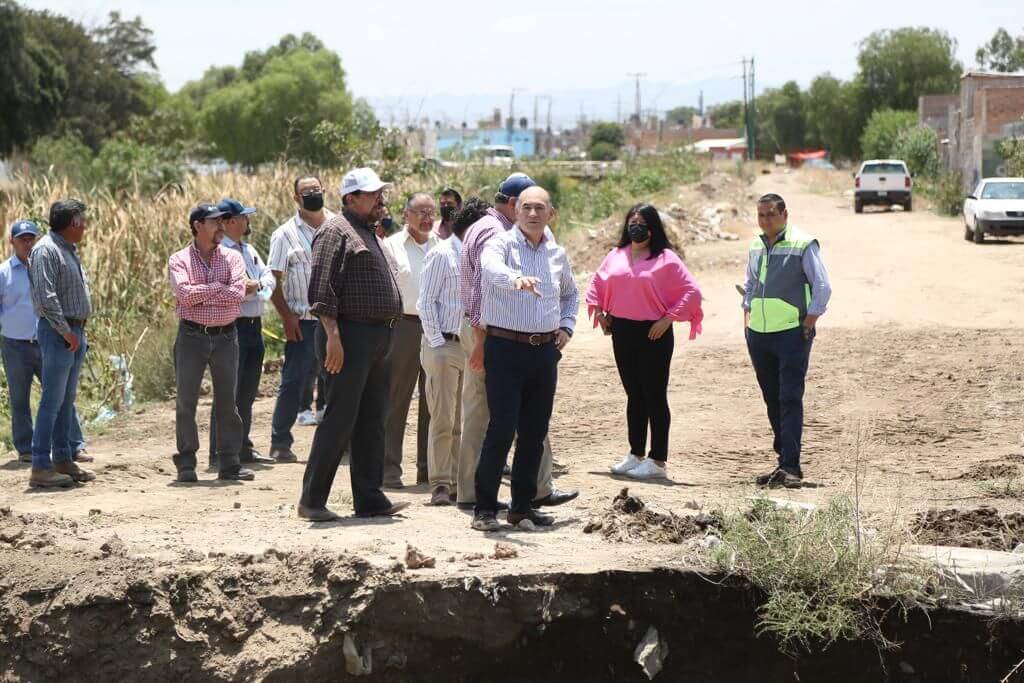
610	133
1012	149
251	122
681	116
727	115
883	129
1003	53
919	147
781	123
256	61
835	115
899	66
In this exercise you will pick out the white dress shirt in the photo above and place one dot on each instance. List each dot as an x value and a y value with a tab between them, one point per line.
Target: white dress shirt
439	304
409	256
255	269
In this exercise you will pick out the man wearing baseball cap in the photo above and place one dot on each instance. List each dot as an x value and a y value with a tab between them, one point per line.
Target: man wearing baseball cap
354	292
475	414
208	282
259	285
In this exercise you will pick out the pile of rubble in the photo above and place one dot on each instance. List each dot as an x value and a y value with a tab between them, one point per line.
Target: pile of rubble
704	226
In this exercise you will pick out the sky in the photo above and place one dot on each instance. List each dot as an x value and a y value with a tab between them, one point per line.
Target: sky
459	59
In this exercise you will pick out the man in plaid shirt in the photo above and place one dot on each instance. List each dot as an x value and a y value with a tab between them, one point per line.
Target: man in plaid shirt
208	282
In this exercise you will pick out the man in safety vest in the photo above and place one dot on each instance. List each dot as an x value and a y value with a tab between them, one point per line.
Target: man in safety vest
786	291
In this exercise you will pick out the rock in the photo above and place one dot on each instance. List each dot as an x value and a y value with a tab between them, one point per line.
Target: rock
114	546
503	551
414	559
95	512
237	505
1019	550
526	525
355	663
651	653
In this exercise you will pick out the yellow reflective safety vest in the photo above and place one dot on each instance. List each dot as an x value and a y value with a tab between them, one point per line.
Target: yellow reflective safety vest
782	293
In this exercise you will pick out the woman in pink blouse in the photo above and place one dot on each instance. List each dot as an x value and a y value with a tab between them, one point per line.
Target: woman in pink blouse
641	288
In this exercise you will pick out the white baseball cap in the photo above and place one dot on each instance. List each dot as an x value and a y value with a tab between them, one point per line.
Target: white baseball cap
362	179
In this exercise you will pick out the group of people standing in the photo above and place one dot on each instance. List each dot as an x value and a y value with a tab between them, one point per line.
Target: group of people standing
475	309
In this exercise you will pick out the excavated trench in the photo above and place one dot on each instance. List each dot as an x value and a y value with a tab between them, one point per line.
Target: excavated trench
292	617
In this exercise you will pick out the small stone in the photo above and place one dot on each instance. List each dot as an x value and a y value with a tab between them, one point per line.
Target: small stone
237	505
526	525
95	512
504	551
414	559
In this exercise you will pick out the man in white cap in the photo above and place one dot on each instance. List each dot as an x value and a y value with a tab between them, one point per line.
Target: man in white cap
354	292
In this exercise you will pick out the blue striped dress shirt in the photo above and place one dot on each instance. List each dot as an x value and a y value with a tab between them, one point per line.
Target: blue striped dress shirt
439	305
509	256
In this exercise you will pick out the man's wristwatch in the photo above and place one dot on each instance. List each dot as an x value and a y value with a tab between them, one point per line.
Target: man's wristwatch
566	330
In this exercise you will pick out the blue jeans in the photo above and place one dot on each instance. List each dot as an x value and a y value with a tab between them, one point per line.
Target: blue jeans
780	361
53	433
299	357
520	381
251	350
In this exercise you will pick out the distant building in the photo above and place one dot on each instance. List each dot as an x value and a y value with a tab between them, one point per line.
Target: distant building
722	149
988	109
462	142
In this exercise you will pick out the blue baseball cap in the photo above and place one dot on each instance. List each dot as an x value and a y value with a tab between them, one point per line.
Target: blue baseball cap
19	228
233	207
514	185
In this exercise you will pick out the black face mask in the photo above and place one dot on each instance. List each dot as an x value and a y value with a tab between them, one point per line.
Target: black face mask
447	213
638	233
313	202
387	223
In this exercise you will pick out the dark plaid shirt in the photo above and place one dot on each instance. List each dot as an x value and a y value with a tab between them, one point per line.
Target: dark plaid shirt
353	277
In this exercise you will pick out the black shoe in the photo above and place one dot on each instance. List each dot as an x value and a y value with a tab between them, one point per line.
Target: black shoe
766	479
187	477
786	479
283	455
556	497
316	514
241	474
502	506
485	521
255	456
422	478
393	485
389	512
538	518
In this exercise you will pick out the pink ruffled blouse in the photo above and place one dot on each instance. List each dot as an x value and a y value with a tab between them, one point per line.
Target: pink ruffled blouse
646	290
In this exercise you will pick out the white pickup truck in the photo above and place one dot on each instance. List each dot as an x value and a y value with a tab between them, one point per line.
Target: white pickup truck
882	182
995	207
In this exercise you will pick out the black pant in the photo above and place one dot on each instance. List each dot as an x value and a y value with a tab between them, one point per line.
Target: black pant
357	404
644	368
521	381
250	370
780	360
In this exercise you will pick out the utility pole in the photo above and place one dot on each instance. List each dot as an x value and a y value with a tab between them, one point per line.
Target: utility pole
752	130
549	114
637	76
534	120
512	111
618	108
746	108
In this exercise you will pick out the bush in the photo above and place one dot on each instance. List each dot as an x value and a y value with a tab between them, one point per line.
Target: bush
1013	151
882	131
919	147
124	164
946	194
64	156
603	151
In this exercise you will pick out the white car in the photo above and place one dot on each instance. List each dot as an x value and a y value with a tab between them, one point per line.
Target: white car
995	207
882	182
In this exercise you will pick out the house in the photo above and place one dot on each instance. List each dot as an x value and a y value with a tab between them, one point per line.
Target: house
988	109
722	149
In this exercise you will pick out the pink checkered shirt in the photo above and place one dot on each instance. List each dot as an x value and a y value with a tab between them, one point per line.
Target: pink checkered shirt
473	241
207	294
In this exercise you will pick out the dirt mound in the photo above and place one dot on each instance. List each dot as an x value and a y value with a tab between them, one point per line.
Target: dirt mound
988	470
629	520
701	212
981	528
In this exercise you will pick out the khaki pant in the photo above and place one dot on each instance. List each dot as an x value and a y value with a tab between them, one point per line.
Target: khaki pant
475	417
444	368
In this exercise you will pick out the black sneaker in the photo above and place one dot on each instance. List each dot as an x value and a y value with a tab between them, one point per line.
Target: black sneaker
786	479
766	479
187	476
485	521
241	474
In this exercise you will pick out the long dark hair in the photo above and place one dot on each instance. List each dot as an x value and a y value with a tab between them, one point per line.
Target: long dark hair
659	240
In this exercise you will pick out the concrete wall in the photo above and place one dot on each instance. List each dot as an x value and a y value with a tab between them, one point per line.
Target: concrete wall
989	106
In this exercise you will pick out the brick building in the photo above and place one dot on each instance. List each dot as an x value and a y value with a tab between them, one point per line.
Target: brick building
990	108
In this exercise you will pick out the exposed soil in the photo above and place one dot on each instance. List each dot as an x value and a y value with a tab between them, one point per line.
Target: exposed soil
981	528
629	520
1000	470
915	380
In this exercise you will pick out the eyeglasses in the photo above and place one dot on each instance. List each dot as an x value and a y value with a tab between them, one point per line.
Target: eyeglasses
424	213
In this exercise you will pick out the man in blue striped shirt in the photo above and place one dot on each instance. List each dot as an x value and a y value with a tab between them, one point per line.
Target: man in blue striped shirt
529	304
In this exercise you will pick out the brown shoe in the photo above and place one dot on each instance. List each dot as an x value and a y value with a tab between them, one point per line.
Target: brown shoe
82	456
441	496
74	471
49	479
389	512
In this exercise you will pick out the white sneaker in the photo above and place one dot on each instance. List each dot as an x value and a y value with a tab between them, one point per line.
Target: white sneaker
320	415
306	418
628	463
648	470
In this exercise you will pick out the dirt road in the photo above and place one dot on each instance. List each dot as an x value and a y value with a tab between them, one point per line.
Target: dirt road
920	352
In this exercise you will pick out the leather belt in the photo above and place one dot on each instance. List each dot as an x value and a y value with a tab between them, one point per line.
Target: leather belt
533	339
380	322
450	337
249	320
410	317
76	322
209	329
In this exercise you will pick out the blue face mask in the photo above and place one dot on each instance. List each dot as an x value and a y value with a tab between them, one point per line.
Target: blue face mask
387	222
